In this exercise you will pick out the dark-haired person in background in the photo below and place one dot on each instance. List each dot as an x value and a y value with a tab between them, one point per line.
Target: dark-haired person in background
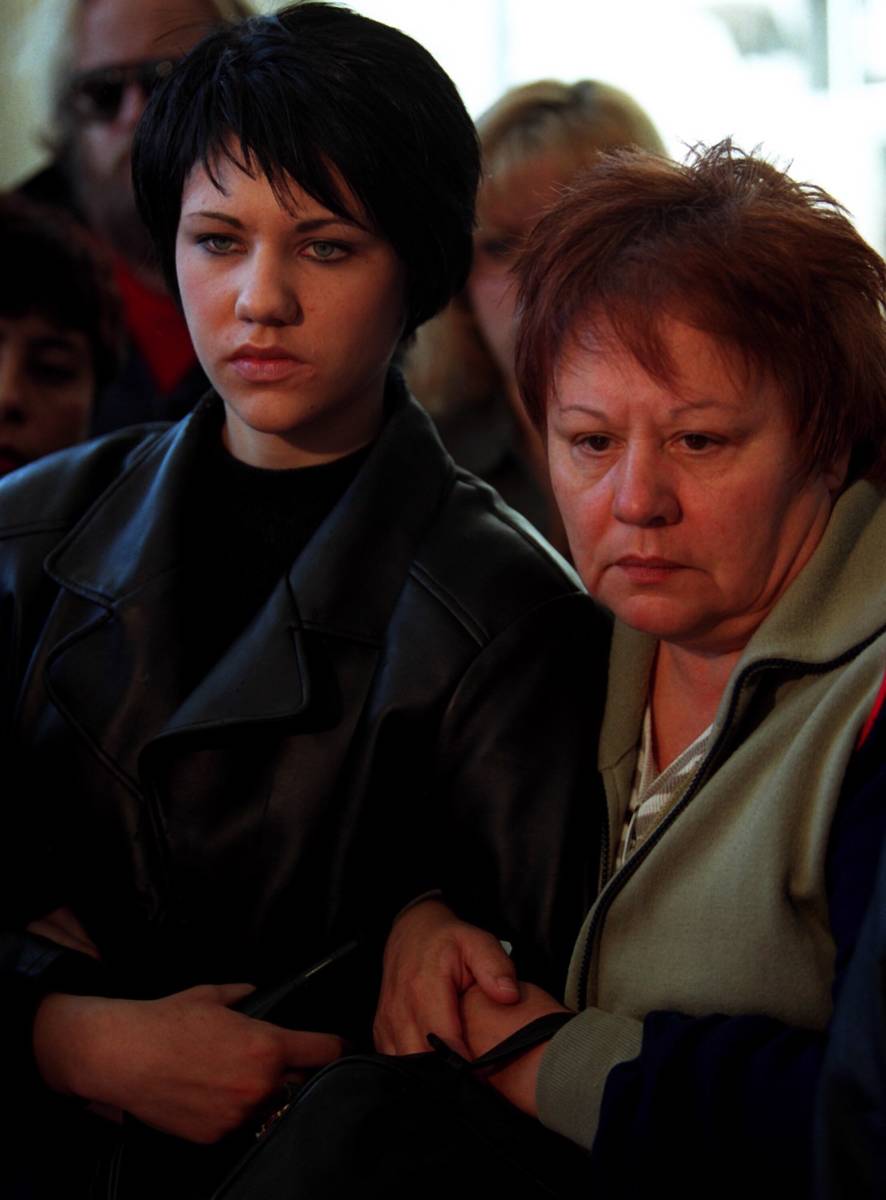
106	57
61	331
704	349
271	672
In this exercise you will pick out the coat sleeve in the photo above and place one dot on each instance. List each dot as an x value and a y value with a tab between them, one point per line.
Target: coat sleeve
676	1101
519	807
30	966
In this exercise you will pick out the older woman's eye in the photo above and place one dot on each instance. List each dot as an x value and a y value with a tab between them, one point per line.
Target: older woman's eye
698	441
596	443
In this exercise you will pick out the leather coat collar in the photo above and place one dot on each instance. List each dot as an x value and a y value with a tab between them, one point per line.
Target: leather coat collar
116	675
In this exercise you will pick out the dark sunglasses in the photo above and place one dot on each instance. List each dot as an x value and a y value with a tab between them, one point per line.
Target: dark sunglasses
97	95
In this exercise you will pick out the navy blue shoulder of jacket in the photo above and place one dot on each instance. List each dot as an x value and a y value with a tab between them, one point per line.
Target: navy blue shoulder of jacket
858	835
486	560
55	492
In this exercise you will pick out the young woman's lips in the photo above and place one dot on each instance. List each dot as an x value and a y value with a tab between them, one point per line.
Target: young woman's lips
266	365
648	570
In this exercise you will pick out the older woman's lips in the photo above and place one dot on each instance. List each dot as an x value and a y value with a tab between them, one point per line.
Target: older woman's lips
648	570
266	365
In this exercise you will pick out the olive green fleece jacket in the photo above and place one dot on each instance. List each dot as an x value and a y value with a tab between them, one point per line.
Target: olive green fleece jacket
723	909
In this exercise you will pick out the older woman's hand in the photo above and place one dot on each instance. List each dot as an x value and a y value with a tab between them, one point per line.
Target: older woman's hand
186	1064
486	1024
431	959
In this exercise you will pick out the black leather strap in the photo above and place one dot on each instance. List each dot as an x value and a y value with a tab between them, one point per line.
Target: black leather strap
519	1042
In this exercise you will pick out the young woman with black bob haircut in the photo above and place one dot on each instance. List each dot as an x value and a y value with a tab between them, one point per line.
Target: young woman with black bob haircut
264	669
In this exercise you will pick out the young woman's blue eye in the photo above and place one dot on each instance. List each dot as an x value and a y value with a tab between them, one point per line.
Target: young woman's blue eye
327	251
216	243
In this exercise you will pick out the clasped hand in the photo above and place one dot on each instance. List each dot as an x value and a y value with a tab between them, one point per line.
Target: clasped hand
447	977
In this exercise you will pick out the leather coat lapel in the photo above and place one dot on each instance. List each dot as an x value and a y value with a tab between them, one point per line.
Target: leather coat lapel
262	677
114	671
348	577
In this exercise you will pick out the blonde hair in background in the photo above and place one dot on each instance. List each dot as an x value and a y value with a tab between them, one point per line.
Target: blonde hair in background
582	119
448	366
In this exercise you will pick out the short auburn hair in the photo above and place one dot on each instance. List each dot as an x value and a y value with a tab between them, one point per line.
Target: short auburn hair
730	244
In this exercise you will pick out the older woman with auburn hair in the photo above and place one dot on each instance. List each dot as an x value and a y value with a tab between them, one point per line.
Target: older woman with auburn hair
704	349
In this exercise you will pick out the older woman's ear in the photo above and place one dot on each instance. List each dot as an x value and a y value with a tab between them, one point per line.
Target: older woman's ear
835	474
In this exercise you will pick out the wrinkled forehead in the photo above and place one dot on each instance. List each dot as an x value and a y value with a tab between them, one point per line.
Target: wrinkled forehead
672	345
121	31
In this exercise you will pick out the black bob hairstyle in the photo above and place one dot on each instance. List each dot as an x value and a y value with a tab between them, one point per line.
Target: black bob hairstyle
323	96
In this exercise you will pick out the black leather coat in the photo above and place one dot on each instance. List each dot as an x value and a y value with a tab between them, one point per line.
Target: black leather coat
413	706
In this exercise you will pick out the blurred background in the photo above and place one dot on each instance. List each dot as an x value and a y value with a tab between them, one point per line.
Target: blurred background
804	80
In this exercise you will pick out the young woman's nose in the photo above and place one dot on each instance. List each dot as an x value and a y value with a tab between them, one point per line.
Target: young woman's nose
643	489
266	295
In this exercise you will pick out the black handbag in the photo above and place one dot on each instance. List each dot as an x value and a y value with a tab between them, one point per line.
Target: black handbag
419	1125
145	1164
388	1125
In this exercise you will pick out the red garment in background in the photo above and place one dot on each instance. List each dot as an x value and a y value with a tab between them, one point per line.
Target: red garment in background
157	327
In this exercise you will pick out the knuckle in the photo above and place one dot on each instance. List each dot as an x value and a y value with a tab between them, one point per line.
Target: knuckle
254	1094
261	1044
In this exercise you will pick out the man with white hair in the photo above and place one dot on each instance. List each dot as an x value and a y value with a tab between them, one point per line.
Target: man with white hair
110	54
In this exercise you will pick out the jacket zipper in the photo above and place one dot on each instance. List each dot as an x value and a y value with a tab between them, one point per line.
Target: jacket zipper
610	887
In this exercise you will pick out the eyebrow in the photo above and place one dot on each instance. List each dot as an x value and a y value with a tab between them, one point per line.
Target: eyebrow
310	225
674	414
699	405
585	409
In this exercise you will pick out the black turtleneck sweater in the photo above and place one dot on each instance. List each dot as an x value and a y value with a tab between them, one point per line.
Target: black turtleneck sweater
243	528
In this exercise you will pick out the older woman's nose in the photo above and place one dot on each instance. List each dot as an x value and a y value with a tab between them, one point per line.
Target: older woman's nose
643	491
266	295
